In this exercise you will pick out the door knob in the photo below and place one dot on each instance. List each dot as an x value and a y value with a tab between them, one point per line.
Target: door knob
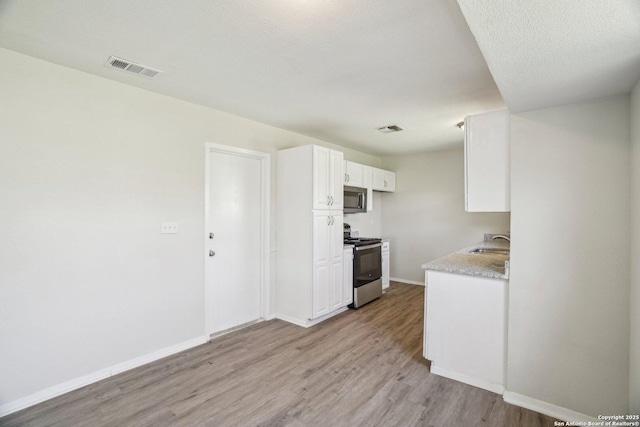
212	253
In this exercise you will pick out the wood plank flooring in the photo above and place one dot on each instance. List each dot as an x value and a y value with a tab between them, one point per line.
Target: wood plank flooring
360	368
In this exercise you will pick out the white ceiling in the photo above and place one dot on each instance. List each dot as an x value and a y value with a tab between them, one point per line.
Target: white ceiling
330	69
552	52
338	70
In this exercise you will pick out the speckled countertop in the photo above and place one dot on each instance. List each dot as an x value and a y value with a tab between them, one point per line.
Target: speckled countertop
483	265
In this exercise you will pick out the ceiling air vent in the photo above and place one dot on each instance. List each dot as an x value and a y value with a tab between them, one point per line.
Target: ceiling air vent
131	67
390	129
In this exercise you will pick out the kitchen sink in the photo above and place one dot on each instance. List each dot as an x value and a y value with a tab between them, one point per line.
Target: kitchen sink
490	251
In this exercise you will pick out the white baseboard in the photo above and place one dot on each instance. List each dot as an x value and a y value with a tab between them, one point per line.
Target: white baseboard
306	323
496	388
67	386
554	411
290	319
410	282
235	328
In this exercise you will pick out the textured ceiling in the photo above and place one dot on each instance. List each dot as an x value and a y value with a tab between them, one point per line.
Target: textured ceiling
552	52
329	69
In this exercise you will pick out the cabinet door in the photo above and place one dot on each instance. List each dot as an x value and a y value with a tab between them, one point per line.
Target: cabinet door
335	179
345	175
487	165
347	280
383	180
389	181
367	178
378	179
322	243
328	265
354	174
321	166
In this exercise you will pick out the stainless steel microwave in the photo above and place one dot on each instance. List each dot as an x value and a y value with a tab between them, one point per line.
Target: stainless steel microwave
355	199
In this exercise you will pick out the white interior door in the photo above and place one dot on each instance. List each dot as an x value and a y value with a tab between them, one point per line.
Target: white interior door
234	239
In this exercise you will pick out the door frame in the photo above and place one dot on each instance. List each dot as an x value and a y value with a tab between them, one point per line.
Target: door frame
265	213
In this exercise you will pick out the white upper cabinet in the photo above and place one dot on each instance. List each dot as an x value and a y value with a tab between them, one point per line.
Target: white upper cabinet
336	165
487	165
327	178
368	184
384	180
354	174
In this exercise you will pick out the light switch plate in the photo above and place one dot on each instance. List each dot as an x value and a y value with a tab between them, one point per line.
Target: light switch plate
169	228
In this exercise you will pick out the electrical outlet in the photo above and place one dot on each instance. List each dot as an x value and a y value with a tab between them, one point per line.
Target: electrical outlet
169	228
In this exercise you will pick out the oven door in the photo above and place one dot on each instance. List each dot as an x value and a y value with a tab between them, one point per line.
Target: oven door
367	264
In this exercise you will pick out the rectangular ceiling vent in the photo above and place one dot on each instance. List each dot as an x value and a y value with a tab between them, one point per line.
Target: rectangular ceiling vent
131	67
390	129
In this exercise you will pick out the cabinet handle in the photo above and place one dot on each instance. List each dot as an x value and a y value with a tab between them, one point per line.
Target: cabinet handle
331	202
328	200
348	177
385	183
328	220
332	221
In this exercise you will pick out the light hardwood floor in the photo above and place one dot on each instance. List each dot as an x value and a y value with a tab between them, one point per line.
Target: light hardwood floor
360	368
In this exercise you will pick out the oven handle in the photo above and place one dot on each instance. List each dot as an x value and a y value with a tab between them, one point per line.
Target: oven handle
375	245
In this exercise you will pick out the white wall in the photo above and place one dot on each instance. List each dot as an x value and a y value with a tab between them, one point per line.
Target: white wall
88	170
425	218
568	341
634	371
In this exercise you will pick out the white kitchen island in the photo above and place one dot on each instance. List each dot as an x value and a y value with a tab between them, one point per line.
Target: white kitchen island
465	331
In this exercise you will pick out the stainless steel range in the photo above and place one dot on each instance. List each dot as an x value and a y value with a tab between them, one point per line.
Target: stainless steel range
367	268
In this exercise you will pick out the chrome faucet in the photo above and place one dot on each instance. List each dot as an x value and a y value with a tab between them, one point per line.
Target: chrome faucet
500	236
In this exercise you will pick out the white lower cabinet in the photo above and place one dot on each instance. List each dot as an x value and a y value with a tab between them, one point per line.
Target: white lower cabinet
310	285
328	253
309	259
385	264
465	328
